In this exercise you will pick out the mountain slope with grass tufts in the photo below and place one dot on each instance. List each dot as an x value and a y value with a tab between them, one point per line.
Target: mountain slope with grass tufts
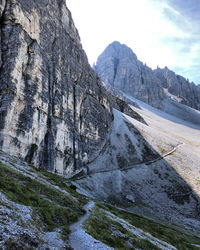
38	209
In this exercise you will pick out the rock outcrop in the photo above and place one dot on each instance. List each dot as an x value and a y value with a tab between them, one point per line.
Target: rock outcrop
120	102
184	91
53	108
119	67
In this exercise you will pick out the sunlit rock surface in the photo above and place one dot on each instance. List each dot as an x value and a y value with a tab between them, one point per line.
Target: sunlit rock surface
119	67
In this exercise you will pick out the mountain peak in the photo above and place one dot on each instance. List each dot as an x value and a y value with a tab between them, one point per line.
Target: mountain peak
118	50
119	67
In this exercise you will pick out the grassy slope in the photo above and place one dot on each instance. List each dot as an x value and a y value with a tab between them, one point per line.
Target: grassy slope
113	234
174	236
58	210
55	209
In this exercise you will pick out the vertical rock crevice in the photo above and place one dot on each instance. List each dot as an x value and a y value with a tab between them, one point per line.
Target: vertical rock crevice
3	7
3	108
8	52
25	121
49	139
74	127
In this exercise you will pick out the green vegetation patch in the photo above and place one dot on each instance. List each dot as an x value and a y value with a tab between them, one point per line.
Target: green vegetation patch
60	182
113	233
174	236
54	208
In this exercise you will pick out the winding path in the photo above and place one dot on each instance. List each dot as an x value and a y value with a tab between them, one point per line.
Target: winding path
136	165
79	239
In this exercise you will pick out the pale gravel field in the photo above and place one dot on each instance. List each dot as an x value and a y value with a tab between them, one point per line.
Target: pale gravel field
166	129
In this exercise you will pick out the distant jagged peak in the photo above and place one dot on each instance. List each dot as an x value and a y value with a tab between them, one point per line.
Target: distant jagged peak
119	67
179	86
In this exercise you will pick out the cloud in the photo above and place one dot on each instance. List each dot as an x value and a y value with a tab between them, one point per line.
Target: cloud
184	44
160	32
181	46
188	8
191	72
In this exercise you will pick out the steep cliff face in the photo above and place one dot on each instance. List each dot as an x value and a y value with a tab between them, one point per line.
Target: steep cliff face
119	67
54	111
184	91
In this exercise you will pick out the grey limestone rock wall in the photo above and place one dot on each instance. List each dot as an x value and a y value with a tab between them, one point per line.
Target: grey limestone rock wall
53	108
119	67
187	93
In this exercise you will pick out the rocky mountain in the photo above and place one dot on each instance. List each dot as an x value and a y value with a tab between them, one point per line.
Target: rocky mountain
180	88
151	166
54	110
119	67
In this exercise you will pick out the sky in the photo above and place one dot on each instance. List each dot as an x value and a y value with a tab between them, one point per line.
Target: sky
160	32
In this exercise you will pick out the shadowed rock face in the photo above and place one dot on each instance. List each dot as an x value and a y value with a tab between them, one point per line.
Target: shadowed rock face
119	67
53	108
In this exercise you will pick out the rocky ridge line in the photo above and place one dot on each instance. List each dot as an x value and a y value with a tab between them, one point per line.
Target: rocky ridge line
179	87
